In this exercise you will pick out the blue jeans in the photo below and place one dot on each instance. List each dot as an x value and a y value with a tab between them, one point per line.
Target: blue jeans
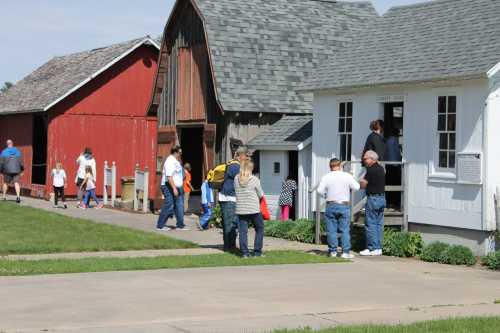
88	194
374	221
205	217
229	224
171	205
337	217
258	222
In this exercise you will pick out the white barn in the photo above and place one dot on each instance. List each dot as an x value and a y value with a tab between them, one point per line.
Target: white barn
431	70
285	149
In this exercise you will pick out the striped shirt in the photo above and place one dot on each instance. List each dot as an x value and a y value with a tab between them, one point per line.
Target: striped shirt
248	196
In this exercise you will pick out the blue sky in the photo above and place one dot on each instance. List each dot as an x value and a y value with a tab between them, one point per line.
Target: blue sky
33	31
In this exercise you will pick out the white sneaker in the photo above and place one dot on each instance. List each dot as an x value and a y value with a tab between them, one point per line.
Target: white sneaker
332	254
365	253
347	256
164	229
377	252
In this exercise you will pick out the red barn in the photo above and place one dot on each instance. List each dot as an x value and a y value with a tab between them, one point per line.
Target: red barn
98	99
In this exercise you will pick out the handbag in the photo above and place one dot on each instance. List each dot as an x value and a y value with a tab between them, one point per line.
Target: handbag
264	209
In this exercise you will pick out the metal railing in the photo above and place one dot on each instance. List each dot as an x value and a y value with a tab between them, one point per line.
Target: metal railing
357	206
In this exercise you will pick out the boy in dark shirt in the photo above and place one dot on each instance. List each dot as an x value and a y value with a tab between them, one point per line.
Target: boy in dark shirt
374	183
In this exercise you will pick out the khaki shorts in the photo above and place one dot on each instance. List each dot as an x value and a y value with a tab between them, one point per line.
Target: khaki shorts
11	178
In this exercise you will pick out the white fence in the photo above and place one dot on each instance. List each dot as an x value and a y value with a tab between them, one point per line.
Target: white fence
109	181
141	183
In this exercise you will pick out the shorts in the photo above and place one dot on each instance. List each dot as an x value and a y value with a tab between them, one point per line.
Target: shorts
79	182
11	178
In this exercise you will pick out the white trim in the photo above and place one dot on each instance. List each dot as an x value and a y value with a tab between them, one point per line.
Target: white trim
305	143
103	69
278	147
494	70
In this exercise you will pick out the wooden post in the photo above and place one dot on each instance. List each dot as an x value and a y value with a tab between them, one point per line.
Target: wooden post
317	239
136	203
113	184
406	185
145	193
105	184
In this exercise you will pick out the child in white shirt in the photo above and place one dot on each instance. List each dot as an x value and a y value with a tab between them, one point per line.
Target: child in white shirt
89	186
59	182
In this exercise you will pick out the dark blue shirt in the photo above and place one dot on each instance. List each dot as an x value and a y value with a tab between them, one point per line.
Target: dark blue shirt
232	171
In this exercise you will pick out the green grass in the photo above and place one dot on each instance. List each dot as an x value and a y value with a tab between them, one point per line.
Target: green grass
25	230
25	267
463	325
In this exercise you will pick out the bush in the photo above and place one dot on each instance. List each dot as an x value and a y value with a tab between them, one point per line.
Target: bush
492	261
300	230
216	219
402	244
433	251
457	255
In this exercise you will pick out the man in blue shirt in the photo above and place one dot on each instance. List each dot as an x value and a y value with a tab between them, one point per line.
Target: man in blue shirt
227	200
12	168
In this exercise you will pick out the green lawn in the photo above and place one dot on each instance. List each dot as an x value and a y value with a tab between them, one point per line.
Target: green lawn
25	230
25	267
465	325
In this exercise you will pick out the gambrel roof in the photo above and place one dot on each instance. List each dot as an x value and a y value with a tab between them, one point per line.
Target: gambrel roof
61	76
262	50
436	40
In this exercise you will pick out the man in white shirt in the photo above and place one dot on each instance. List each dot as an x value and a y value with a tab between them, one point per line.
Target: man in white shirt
336	187
172	189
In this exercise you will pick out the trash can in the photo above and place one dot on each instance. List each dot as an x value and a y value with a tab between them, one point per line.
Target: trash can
128	184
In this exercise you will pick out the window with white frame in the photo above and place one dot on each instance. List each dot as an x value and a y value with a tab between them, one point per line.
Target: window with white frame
447	130
345	131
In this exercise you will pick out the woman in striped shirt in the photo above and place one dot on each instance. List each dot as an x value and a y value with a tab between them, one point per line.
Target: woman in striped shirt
248	194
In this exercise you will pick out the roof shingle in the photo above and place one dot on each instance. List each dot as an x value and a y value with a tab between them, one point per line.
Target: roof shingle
436	40
290	131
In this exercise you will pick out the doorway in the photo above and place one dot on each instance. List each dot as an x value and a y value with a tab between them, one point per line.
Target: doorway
293	172
39	144
192	153
393	133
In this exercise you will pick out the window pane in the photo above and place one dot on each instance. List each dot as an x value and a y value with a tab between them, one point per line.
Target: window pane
442	104
348	127
349	147
341	125
452	141
343	144
443	141
443	159
452	104
452	122
442	122
349	109
342	110
451	163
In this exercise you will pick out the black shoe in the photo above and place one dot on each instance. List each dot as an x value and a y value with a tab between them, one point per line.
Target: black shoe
18	200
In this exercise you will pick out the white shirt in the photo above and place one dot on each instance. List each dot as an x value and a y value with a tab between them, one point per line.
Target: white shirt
337	186
172	168
82	164
226	198
58	177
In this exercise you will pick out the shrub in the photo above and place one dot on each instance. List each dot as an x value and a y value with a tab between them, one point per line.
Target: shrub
433	251
492	261
216	219
402	244
300	230
277	229
457	255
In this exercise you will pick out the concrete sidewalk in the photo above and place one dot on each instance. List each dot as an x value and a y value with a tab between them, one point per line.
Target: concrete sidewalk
246	299
147	222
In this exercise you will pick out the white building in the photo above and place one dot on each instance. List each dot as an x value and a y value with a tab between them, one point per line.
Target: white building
285	149
432	70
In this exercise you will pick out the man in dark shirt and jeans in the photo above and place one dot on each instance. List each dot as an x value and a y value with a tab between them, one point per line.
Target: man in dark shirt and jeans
374	183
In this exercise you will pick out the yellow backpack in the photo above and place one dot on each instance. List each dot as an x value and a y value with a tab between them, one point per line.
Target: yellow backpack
215	177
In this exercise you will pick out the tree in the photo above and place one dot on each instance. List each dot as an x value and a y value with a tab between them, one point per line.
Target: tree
6	86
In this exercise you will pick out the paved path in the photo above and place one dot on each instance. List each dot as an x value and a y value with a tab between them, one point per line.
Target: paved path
147	222
246	299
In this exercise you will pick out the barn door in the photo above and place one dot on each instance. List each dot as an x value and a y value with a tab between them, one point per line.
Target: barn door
209	133
167	137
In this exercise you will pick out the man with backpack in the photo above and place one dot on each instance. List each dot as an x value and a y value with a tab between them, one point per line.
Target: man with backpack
227	199
12	167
